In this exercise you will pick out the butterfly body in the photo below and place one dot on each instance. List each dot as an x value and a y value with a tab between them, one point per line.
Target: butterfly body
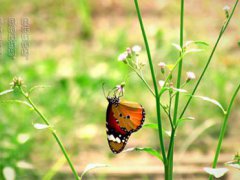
122	119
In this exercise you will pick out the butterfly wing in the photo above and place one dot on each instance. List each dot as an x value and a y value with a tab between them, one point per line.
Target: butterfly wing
129	115
117	138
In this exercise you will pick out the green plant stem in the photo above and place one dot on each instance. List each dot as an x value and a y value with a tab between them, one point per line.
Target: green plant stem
147	85
170	74
169	111
223	29
160	130
53	133
142	78
223	130
171	143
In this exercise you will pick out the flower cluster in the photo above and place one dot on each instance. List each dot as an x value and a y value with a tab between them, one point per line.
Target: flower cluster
131	57
17	82
190	75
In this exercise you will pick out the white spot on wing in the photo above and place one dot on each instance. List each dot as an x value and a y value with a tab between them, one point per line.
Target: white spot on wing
112	138
118	140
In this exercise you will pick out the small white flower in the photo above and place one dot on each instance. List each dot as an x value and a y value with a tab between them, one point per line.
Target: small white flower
226	8
191	76
123	56
161	83
136	49
162	65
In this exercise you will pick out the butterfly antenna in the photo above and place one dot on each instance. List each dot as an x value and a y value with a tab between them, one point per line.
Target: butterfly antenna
103	89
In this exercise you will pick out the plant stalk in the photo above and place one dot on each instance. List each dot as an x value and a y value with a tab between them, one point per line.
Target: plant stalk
160	130
223	130
171	144
53	133
210	58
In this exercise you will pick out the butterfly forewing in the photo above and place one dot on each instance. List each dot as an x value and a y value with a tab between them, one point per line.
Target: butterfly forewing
129	115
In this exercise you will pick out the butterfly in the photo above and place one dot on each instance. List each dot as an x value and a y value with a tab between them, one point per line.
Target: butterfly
122	119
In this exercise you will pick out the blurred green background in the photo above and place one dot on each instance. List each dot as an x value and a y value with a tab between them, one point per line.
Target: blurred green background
74	47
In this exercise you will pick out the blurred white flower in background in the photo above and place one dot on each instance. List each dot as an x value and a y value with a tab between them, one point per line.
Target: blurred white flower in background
136	49
190	76
9	173
123	56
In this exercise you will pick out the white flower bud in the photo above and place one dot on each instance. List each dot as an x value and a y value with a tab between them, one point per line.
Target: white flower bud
129	51
161	83
162	65
226	8
190	76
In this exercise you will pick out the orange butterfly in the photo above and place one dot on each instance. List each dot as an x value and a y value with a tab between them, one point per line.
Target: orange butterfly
122	119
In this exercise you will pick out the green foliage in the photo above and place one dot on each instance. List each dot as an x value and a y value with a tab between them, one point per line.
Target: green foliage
148	150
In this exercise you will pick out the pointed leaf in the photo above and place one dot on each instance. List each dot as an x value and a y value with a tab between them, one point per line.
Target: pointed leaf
234	164
196	43
40	126
6	92
185	119
201	43
150	151
216	172
92	166
213	101
17	101
193	51
177	47
38	87
168	133
151	125
179	90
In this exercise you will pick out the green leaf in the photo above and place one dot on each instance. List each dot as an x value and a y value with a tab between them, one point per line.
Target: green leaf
193	50
151	125
92	166
185	119
169	133
234	164
201	43
213	101
179	90
38	87
216	172
196	43
239	43
150	151
6	92
17	101
177	47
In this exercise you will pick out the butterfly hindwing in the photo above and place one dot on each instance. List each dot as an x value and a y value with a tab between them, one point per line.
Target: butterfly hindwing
117	138
129	115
